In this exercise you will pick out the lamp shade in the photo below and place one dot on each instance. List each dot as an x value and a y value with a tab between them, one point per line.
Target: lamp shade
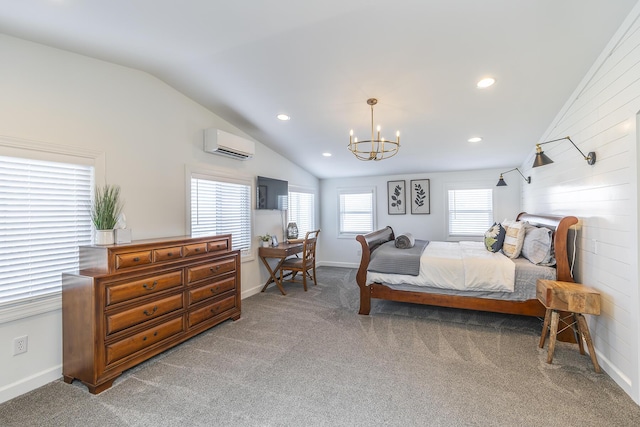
501	182
541	159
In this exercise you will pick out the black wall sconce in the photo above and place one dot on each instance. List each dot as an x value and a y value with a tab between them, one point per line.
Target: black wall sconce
501	182
542	159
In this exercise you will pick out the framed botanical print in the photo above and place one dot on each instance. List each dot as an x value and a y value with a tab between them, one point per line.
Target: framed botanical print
420	203
396	198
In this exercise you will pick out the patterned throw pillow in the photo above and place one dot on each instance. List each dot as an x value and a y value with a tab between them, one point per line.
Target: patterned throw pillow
494	237
514	239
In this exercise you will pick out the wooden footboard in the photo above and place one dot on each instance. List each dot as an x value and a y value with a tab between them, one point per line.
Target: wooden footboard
369	242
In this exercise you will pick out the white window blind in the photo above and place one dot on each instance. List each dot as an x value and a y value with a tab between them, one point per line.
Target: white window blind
356	211
219	207
470	211
302	211
44	208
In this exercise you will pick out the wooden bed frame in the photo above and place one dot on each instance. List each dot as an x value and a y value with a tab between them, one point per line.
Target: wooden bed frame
533	307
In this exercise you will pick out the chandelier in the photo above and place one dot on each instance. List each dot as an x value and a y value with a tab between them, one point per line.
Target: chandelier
376	148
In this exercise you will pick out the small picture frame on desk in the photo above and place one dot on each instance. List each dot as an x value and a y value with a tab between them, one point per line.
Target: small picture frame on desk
274	241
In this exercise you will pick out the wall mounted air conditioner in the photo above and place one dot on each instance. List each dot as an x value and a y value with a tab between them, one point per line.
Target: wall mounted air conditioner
217	141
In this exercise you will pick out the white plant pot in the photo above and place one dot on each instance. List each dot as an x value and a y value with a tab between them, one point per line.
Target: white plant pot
265	244
104	237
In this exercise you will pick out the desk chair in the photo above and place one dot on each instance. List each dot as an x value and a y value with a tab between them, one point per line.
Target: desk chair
304	265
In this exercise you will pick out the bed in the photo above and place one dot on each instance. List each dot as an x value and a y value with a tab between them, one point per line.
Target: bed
495	302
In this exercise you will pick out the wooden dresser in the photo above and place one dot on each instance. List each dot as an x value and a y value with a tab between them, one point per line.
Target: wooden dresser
129	302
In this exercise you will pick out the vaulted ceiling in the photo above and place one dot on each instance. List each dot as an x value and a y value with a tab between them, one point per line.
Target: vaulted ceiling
320	60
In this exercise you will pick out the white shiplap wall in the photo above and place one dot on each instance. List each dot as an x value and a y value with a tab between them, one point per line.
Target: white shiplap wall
601	116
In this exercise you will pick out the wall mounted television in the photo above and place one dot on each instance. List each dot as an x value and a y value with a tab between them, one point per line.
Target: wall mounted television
272	194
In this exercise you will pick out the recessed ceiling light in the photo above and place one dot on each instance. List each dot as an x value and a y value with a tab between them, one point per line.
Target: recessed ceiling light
489	81
283	117
326	154
475	139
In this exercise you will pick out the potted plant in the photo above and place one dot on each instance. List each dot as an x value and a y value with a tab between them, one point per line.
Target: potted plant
105	211
265	240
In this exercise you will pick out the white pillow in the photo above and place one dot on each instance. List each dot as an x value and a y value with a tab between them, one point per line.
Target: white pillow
538	245
514	239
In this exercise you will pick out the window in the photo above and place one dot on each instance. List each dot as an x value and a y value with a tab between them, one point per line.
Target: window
470	211
45	214
219	206
357	215
302	211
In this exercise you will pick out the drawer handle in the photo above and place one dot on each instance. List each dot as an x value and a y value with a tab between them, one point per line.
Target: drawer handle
215	309
197	249
146	312
214	269
155	334
152	287
136	259
169	253
215	289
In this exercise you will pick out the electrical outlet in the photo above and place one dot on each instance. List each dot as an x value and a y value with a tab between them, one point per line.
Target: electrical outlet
20	345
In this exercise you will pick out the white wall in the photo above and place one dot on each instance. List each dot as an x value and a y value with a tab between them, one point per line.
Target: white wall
344	251
601	117
148	133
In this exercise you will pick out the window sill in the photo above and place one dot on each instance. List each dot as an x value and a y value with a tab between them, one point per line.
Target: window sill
17	310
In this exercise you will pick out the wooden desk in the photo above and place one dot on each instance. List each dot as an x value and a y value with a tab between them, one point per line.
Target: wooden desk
575	299
280	252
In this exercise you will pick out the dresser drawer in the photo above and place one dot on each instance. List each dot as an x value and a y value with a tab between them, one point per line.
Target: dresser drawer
139	341
194	249
211	290
167	254
212	269
218	245
124	291
133	316
132	259
212	310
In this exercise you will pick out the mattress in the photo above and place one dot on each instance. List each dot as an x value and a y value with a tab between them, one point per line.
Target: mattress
526	276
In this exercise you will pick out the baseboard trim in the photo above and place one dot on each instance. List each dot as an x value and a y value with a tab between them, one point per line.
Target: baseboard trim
337	264
32	382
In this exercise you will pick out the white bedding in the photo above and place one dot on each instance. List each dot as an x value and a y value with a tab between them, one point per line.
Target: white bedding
457	265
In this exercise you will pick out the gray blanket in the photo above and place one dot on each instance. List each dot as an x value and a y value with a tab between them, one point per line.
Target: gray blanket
405	241
389	259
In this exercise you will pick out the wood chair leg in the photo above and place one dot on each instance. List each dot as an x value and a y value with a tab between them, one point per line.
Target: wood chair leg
315	282
578	333
304	280
584	331
545	327
555	318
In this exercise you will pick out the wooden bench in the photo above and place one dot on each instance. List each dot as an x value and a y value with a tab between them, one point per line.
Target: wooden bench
575	299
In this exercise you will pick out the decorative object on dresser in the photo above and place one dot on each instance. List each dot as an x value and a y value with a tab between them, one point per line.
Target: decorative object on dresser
130	302
105	211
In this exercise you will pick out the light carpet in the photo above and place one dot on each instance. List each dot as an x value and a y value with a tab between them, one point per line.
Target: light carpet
308	359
